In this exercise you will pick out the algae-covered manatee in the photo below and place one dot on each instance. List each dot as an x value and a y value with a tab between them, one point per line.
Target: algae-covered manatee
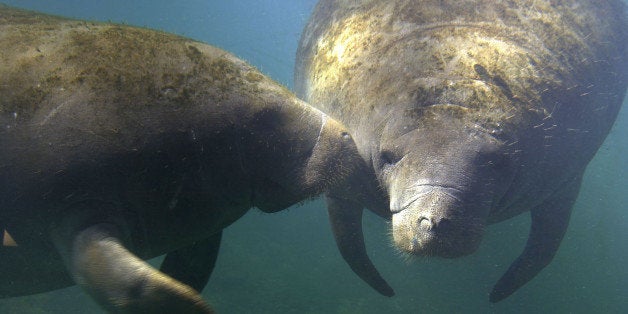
120	144
465	113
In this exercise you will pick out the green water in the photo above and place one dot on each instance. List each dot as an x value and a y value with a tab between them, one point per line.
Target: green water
288	263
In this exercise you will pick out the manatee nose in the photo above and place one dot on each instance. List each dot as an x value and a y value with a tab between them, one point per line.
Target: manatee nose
434	224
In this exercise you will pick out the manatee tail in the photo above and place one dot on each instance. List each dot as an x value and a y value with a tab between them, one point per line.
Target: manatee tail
549	223
346	222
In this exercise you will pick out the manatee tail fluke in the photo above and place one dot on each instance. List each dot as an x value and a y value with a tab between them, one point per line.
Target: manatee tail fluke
120	281
549	224
346	223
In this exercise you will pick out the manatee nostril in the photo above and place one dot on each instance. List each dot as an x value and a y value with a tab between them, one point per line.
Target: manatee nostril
425	224
433	225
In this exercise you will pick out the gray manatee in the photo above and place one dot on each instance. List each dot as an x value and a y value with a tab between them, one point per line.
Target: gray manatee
465	113
121	144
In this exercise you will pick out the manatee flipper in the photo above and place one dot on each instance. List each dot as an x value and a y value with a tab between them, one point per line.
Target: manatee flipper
194	264
549	224
346	222
120	281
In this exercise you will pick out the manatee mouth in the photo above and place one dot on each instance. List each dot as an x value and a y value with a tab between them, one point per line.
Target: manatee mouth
436	222
419	191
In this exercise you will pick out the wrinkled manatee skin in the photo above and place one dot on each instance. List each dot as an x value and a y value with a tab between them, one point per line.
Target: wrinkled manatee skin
163	140
467	113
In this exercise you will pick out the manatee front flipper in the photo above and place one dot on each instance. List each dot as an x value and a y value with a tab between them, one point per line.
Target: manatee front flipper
549	223
194	264
346	222
120	281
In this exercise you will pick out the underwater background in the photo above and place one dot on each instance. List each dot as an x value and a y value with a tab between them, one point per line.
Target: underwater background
287	262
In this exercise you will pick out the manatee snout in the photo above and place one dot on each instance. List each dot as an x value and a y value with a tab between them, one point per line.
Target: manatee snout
441	191
435	224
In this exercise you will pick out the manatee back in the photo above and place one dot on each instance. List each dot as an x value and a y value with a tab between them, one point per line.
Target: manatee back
98	96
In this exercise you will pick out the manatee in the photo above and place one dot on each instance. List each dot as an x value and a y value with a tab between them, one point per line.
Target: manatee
121	144
465	113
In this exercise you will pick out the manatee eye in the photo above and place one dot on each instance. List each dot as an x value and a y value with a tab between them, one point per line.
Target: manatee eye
345	136
388	158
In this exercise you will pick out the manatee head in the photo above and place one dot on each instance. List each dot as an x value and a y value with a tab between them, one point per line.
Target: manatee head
297	152
444	173
334	155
